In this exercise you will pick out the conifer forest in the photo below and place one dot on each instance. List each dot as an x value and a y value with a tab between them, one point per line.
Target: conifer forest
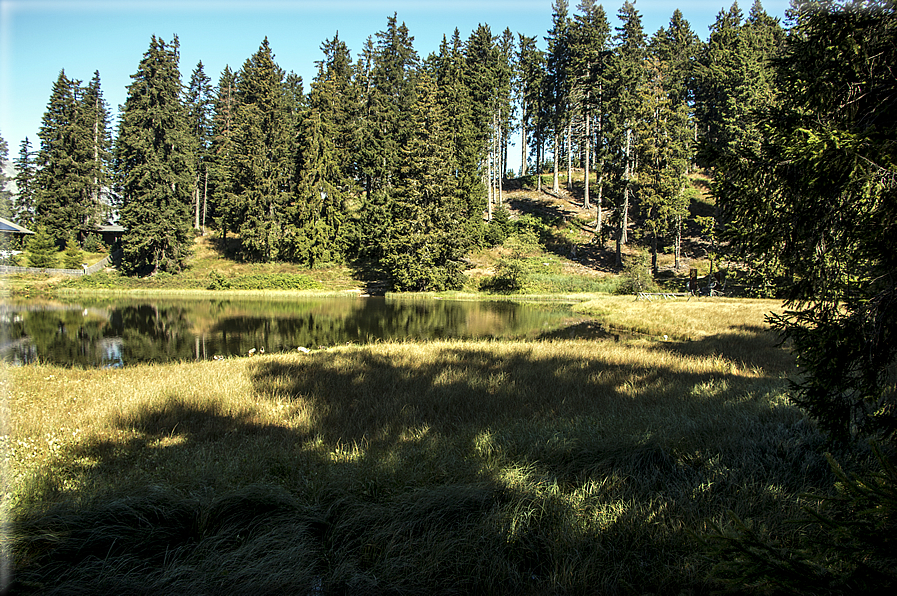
399	158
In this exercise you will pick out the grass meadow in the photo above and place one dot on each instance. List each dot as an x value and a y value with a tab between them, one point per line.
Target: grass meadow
457	467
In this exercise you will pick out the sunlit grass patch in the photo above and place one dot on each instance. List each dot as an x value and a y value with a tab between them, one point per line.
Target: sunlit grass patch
681	318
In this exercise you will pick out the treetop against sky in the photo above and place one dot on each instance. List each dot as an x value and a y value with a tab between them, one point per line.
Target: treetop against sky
38	38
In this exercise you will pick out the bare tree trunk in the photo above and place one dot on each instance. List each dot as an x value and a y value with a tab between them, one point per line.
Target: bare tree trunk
205	196
678	240
196	202
555	188
522	172
504	151
541	159
619	249
500	145
585	201
570	156
599	168
539	152
488	181
624	219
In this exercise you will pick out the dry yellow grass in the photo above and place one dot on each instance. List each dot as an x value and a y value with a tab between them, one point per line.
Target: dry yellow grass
680	318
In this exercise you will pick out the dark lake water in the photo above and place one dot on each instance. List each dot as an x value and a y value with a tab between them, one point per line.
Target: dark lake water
117	332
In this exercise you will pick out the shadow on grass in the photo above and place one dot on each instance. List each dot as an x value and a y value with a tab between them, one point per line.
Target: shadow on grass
475	470
751	346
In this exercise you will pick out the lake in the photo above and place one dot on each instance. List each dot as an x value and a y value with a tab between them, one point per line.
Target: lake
116	332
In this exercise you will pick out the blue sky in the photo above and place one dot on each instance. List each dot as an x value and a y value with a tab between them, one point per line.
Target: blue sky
38	38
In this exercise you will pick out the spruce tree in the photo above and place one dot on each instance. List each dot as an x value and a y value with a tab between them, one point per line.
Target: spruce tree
315	231
97	142
665	148
531	62
64	197
465	140
389	99
558	80
72	257
735	81
6	205
363	74
224	208
482	76
263	156
506	106
41	249
590	37
199	102
26	174
678	48
818	195
735	85
424	252
388	73
154	160
628	67
525	48
335	97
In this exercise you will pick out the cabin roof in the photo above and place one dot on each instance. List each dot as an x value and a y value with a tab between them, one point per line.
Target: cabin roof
8	227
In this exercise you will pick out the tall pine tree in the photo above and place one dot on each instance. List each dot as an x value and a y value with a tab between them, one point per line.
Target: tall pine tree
97	140
665	147
263	156
590	53
388	74
26	174
199	104
223	208
425	251
315	233
482	75
6	204
629	74
558	80
64	193
464	138
818	194
154	161
533	124
335	97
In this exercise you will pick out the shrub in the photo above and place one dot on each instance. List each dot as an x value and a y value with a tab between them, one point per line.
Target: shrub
499	228
510	276
218	282
259	281
529	226
93	243
98	280
637	275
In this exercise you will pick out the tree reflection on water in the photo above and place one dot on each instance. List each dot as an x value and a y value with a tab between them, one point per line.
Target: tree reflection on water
99	333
